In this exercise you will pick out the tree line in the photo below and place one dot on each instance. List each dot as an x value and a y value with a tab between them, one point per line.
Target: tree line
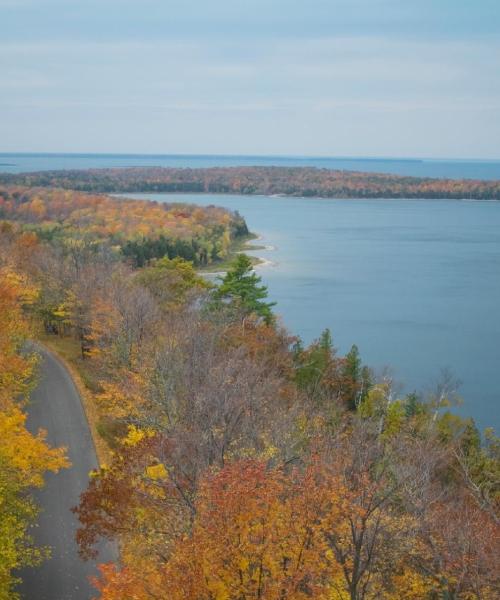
289	181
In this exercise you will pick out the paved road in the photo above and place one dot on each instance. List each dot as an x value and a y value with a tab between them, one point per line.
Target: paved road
56	407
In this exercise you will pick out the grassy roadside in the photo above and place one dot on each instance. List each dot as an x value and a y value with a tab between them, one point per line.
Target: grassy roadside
67	351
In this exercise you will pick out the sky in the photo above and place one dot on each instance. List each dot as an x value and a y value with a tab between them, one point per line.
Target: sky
378	78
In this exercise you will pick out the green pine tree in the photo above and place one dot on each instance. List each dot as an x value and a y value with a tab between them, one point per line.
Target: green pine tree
359	376
242	286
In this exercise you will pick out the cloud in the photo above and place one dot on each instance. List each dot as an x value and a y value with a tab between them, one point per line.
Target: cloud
279	73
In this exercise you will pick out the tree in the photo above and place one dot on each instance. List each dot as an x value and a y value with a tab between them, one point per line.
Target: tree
253	536
358	378
171	281
24	457
266	533
242	286
318	373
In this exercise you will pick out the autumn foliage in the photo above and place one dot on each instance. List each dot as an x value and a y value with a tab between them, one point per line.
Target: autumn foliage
289	181
24	457
243	464
141	229
276	532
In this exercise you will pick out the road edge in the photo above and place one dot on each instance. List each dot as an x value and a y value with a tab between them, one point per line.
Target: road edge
101	449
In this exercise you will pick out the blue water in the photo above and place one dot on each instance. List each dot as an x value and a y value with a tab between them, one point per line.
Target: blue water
454	169
414	283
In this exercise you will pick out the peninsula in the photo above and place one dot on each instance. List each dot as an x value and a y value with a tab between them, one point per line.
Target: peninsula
287	181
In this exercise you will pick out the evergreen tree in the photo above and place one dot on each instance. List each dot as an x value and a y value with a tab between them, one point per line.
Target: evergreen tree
312	364
413	404
242	286
358	376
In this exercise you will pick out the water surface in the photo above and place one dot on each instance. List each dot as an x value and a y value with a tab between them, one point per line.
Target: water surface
454	169
414	283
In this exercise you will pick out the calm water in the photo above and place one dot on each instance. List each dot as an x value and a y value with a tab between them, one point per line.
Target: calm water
472	169
414	283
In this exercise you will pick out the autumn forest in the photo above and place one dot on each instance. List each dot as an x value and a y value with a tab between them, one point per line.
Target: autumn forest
289	181
236	463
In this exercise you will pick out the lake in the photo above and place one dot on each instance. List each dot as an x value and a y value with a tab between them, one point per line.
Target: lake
418	167
414	283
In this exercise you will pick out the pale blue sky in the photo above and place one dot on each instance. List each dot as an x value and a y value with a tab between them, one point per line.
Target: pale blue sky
295	77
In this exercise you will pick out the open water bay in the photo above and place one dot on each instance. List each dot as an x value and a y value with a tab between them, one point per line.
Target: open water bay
414	283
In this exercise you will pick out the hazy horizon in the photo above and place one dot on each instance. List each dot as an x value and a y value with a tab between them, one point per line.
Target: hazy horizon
244	155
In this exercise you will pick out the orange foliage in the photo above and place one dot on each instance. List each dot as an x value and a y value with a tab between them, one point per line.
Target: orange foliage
270	534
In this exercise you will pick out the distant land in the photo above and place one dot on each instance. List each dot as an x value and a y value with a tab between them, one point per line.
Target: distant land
261	180
442	168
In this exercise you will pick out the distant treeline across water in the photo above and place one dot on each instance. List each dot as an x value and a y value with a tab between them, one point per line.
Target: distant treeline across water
264	180
446	168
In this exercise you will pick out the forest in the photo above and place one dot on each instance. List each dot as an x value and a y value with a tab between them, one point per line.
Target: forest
289	181
141	230
237	463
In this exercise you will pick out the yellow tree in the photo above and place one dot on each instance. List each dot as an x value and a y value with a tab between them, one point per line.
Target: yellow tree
24	457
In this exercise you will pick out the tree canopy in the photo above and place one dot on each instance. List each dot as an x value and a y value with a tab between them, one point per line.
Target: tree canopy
289	181
242	463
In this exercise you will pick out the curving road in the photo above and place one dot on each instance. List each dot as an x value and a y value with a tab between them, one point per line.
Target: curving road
56	406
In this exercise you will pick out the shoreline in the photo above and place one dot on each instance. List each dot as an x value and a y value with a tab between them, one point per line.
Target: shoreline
263	262
258	261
